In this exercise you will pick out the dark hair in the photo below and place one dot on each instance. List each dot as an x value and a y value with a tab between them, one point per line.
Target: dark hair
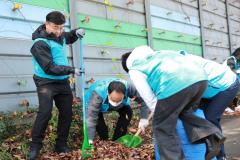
116	86
56	17
236	52
124	61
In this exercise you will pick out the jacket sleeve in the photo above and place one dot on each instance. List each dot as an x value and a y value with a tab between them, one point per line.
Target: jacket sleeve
94	106
71	36
42	54
132	93
139	80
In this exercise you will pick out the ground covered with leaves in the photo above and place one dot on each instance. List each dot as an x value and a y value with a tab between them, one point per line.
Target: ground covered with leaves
15	135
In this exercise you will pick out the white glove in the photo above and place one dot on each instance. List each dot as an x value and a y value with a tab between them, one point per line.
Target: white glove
143	124
77	71
80	33
90	141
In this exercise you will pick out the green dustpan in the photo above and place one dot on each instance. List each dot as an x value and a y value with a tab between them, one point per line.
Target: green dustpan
130	141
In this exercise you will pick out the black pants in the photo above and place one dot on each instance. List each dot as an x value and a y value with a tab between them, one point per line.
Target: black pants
125	116
61	94
180	105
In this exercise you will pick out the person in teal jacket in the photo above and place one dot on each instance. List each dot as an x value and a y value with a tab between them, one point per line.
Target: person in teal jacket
236	54
235	60
51	73
107	95
172	87
223	86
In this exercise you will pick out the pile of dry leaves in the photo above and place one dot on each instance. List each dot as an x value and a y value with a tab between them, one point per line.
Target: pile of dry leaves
16	146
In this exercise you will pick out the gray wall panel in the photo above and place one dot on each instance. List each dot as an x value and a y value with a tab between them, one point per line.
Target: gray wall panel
216	54
127	16
137	5
10	46
234	13
235	3
12	102
215	6
192	3
102	76
235	27
214	22
122	14
93	66
17	66
235	41
16	84
102	52
175	6
216	38
83	6
216	29
16	74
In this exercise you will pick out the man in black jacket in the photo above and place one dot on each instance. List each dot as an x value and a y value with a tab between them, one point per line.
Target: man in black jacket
51	73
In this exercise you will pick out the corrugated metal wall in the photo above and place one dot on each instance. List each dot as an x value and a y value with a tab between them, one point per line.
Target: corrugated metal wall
234	23
215	30
112	28
209	28
176	25
220	28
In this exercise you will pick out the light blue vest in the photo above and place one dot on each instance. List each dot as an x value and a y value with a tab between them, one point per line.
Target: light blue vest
58	52
168	72
101	87
220	77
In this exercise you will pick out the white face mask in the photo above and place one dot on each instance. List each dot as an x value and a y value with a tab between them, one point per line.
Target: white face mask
114	104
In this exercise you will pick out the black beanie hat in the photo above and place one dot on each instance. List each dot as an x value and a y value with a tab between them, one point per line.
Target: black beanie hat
56	17
124	61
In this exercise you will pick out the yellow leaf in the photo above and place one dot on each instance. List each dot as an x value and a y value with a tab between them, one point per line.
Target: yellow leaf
106	2
114	59
109	43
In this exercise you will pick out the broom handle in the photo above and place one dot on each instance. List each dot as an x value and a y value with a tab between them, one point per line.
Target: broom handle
82	80
149	118
138	132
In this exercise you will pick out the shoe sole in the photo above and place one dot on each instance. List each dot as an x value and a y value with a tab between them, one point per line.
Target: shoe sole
215	152
59	152
212	154
222	140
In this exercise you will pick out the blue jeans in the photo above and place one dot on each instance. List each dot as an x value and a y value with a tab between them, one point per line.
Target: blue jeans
213	108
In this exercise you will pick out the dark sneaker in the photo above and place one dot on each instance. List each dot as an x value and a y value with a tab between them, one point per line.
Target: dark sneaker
62	149
33	153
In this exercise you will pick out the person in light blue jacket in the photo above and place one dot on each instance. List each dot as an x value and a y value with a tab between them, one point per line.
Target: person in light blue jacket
235	62
236	54
232	63
223	86
172	86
